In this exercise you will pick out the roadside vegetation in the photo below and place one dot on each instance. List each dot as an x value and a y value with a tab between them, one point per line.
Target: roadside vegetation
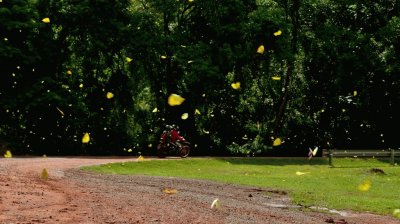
353	184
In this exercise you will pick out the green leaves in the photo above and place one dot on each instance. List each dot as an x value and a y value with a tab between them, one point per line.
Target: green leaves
255	70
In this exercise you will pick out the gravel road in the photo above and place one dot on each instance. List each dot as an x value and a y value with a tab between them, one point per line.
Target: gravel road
71	195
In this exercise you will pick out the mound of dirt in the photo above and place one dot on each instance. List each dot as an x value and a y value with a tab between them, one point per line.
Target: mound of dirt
377	171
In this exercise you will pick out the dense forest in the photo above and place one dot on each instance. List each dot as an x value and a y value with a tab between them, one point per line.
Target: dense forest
307	73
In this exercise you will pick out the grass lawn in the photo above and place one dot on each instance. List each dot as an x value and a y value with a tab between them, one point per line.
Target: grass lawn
309	183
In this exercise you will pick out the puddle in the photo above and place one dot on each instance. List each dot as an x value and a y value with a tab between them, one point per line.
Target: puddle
277	205
56	173
342	213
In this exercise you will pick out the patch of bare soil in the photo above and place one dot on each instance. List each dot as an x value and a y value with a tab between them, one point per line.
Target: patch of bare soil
74	196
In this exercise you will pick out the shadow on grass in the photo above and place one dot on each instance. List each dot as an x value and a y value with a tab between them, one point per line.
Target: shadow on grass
288	161
350	162
281	161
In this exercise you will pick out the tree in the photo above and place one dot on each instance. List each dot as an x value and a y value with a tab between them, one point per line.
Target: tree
350	65
306	72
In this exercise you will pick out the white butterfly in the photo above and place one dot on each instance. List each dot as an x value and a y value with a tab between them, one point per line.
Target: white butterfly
216	203
312	153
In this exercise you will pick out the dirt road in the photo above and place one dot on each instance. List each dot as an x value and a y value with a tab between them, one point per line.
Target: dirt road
74	196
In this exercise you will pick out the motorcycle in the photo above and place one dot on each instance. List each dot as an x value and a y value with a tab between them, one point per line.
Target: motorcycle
179	148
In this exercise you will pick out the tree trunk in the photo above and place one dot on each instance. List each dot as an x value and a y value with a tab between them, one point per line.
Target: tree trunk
294	15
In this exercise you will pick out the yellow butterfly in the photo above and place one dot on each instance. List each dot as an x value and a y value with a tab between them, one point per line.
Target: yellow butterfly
128	59
86	138
155	110
140	158
46	20
236	85
175	100
185	116
276	78
396	213
278	33
8	154
365	185
163	57
301	173
260	49
277	142
169	191
355	93
197	112
109	95
44	175
129	150
69	72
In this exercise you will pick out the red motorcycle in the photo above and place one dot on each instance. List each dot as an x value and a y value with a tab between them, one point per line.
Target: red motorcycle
172	143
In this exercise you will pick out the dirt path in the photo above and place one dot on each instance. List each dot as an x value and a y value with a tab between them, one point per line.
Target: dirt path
74	196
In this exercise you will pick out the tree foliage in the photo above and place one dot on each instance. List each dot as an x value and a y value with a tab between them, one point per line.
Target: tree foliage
311	73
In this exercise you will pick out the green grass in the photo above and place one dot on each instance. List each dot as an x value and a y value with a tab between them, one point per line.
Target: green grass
334	188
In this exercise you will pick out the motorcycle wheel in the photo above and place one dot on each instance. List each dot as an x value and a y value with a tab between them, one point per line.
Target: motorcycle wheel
184	151
161	151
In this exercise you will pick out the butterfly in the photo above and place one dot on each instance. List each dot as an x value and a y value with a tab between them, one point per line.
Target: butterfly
312	153
277	142
46	20
260	49
365	185
169	191
175	100
109	95
128	59
236	85
185	116
396	213
301	173
276	78
44	175
8	154
278	33
59	110
86	138
216	203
